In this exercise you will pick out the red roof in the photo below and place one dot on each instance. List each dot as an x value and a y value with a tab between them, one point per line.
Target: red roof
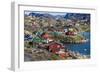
69	33
46	36
55	47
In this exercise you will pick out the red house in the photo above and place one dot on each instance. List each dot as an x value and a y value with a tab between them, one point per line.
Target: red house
55	47
70	33
45	35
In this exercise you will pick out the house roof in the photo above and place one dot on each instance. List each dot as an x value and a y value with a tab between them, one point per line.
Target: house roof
45	35
55	47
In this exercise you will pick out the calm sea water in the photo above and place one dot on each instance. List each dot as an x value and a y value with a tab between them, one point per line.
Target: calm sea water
83	48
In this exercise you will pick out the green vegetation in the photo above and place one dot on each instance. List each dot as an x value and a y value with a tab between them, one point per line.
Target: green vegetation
72	39
85	28
54	57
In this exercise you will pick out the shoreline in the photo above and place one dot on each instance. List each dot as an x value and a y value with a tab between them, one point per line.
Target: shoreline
46	55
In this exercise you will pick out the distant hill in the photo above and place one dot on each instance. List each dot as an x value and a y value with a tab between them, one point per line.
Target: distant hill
78	16
72	16
41	15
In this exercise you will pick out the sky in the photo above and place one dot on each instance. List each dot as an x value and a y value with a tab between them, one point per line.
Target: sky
52	13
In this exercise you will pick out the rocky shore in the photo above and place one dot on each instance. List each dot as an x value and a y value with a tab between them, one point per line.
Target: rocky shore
43	54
